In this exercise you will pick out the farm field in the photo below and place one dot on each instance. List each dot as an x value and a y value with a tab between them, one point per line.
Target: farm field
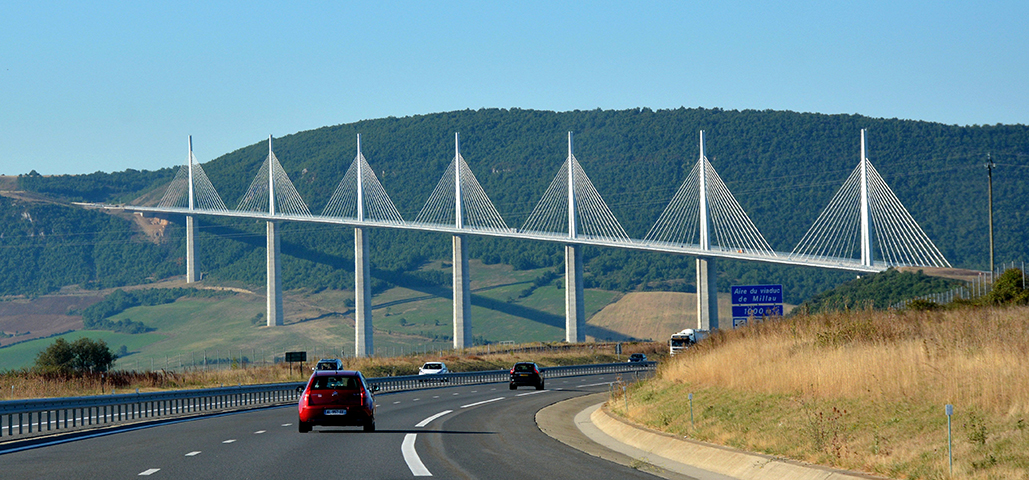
232	326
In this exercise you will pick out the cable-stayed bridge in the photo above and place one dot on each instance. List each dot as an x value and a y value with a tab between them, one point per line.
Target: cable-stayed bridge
863	229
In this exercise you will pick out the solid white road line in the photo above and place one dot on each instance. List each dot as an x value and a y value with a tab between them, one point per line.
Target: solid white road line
193	454
427	420
146	473
531	393
482	402
411	457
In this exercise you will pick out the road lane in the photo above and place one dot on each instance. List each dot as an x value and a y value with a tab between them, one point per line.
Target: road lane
493	436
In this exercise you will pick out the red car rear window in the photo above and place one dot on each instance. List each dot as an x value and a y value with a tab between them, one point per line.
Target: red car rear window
335	382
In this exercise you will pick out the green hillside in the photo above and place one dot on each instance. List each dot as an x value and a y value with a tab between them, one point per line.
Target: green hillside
783	168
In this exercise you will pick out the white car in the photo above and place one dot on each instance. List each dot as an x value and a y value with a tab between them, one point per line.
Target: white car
432	368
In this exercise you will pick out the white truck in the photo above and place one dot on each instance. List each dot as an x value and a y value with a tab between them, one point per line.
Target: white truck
685	339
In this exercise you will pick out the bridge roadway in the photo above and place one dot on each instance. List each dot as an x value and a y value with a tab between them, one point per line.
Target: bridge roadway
489	433
781	258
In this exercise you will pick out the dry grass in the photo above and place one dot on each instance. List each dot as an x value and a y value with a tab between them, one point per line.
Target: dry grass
27	384
861	390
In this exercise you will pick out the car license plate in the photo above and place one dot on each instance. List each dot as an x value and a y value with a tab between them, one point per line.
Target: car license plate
339	411
523	374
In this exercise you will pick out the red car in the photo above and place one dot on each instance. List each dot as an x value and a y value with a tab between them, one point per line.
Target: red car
337	398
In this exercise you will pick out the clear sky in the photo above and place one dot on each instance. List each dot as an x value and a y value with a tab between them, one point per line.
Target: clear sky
88	86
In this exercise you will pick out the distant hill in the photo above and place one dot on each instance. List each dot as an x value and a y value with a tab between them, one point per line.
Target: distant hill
783	167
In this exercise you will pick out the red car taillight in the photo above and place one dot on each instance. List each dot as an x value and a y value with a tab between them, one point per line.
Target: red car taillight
363	393
512	371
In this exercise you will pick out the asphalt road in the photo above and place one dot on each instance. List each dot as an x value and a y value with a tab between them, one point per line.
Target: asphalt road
487	432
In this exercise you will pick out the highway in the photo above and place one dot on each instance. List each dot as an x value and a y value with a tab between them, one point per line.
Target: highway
480	431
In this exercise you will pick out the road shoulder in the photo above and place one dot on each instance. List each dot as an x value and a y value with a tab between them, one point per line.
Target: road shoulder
600	434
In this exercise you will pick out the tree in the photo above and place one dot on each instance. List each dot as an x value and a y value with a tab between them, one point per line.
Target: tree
81	356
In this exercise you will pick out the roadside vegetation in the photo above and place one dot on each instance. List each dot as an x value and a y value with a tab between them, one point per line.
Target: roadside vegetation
861	390
44	382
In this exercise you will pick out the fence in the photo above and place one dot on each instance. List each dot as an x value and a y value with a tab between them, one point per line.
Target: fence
972	290
25	418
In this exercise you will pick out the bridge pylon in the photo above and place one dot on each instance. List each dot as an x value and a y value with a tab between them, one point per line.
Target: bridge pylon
865	218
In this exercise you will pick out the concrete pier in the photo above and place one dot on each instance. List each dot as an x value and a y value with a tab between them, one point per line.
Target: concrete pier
275	315
191	258
707	294
575	306
363	332
462	296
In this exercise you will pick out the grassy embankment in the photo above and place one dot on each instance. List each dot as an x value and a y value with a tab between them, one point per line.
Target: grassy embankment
862	391
32	385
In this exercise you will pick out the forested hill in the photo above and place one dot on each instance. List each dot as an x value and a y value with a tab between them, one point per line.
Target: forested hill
783	168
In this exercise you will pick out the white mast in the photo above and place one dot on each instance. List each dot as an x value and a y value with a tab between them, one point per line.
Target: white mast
571	190
866	241
360	183
458	222
189	162
705	241
271	179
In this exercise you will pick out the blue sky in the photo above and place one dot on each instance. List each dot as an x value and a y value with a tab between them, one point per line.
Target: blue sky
88	86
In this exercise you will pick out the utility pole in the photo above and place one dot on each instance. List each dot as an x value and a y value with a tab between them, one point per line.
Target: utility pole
989	174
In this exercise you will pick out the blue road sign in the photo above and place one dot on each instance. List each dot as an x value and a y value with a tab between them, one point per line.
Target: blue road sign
756	294
757	310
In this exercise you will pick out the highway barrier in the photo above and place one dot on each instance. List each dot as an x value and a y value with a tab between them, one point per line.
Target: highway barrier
29	418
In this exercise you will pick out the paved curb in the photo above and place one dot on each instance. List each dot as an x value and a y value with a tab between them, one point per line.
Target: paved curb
714	458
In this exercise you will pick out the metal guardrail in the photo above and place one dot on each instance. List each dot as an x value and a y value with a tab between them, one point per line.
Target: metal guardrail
24	418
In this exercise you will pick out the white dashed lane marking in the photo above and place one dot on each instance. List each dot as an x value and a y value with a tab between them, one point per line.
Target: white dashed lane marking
148	472
427	420
231	440
259	432
193	454
531	393
482	402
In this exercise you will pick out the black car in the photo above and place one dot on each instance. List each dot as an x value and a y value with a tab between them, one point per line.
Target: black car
637	357
526	373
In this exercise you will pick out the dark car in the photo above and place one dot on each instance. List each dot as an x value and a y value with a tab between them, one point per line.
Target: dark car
329	364
637	357
337	398
526	373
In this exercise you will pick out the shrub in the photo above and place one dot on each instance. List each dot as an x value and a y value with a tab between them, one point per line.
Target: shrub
81	356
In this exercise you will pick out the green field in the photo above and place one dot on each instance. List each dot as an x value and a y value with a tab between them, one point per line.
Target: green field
406	319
